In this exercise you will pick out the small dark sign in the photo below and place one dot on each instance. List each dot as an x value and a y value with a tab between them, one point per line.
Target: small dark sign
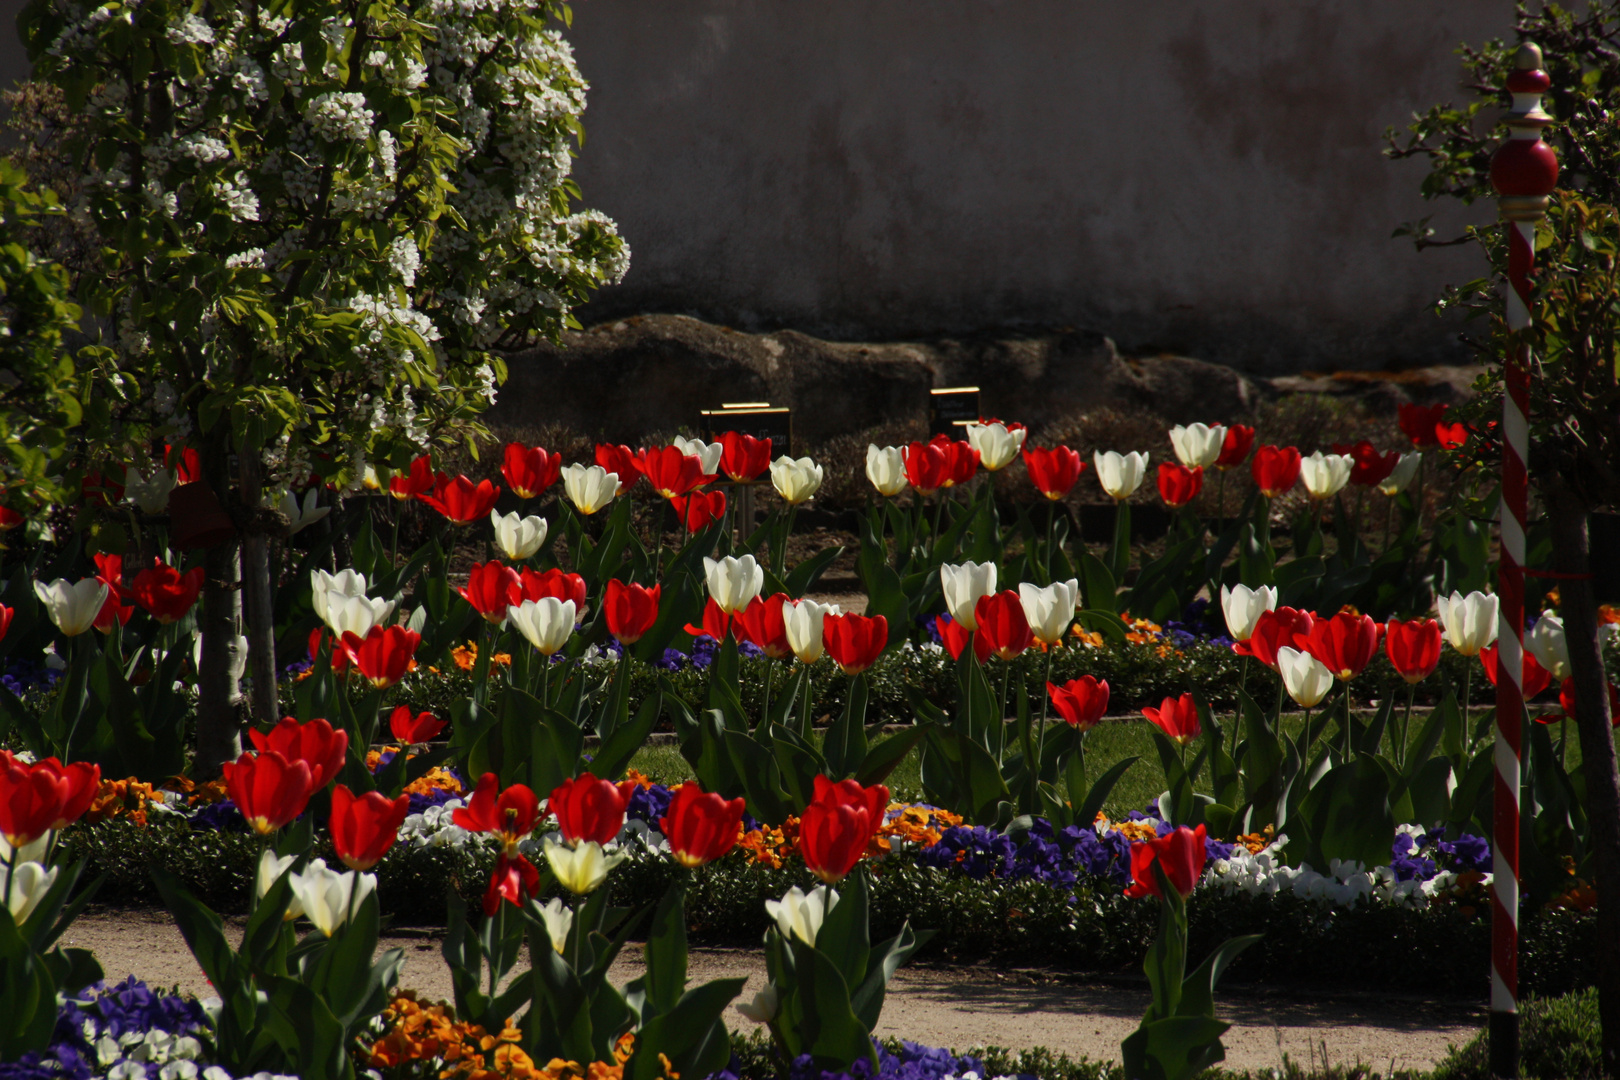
950	408
760	421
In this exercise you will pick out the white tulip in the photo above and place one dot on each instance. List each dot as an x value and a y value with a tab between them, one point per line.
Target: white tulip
795	479
1548	645
356	614
886	468
151	495
1243	607
761	1010
270	870
1325	474
547	623
963	585
369	479
707	453
1120	474
33	851
1406	469
733	583
326	895
1050	610
346	582
583	868
302	517
1469	621
997	446
25	886
589	487
518	537
1305	677
559	920
1196	445
73	607
803	620
800	914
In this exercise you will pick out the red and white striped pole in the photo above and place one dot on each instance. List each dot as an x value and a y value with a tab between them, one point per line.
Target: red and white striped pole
1524	171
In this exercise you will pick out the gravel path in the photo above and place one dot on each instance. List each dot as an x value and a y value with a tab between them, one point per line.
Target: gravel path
941	1006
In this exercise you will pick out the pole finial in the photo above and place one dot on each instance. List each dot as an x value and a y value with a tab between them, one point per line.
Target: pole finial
1528	58
1524	169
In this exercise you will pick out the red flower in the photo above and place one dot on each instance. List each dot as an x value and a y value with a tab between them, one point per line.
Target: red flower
957	637
716	623
340	655
1003	624
514	880
620	460
36	798
166	592
97	488
1345	643
414	729
670	472
1566	704
364	828
10	519
1081	702
1413	647
926	467
699	826
838	824
529	470
1054	471
269	790
1179	485
110	569
1451	436
416	483
554	582
590	808
631	610
744	457
700	509
961	460
510	814
385	655
1236	446
314	743
1181	853
1272	631
1276	469
855	641
1418	422
1533	678
5	620
459	500
761	623
1371	468
184	461
491	588
1176	717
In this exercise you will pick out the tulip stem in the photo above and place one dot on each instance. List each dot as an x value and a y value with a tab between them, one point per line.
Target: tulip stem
393	547
939	510
1051	541
1243	686
1046	703
1467	733
765	703
1220	501
804	715
1349	752
1389	510
1406	724
1001	718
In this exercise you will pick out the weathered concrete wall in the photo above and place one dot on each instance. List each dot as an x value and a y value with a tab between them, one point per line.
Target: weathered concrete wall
1199	177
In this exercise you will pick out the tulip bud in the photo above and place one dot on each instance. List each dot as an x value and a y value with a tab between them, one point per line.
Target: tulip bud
301	517
1243	607
762	1009
795	479
151	495
708	454
1306	678
1120	474
804	621
1469	621
547	623
518	537
25	886
589	487
1197	446
733	583
327	896
1547	643
345	582
1406	469
580	869
799	914
559	921
886	469
997	444
73	607
963	585
1325	474
1050	610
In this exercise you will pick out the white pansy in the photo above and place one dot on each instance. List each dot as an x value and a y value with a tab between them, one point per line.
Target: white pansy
708	454
1325	475
804	621
1469	621
558	919
800	914
1243	607
73	607
963	584
886	469
302	516
733	583
25	885
795	479
326	895
1050	610
589	487
1120	474
1197	445
1405	470
580	869
518	537
1546	642
997	445
547	623
1306	678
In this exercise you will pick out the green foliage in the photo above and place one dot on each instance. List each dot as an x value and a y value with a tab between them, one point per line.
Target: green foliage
1560	1038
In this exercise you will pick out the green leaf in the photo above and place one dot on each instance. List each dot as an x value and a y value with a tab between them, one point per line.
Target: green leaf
882	759
845	744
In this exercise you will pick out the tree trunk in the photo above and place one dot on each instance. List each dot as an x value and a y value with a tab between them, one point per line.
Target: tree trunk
219	675
1578	606
259	596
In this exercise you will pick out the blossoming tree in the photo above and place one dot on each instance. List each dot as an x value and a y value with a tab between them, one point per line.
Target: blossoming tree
320	225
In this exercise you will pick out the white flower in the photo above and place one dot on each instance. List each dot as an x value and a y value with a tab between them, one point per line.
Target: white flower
356	614
997	446
800	914
762	1009
1243	607
1469	621
583	868
1196	445
345	582
152	496
1050	610
1306	678
271	867
25	886
1120	474
1548	645
559	920
547	623
708	454
73	608
589	487
325	895
1325	474
518	537
337	116
733	583
302	517
886	468
795	479
33	851
1399	477
803	621
963	585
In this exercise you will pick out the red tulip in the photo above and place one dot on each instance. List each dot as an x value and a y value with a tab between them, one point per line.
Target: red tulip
716	623
97	488
491	588
1179	485
10	519
631	610
554	582
957	637
1054	471
1081	702
529	470
460	500
1181	853
590	808
621	461
509	814
1236	446
838	824
1418	422
184	461
385	655
514	880
414	484
1003	624
699	826
340	656
1176	717
1533	678
269	790
855	641
110	569
926	467
1451	436
316	744
961	460
1371	468
743	457
410	729
700	509
762	623
43	795
1344	644
1566	704
670	472
1413	647
5	620
364	828
1272	631
166	592
1276	469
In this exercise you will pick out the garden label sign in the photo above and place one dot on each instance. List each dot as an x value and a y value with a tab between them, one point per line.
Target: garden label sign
950	408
